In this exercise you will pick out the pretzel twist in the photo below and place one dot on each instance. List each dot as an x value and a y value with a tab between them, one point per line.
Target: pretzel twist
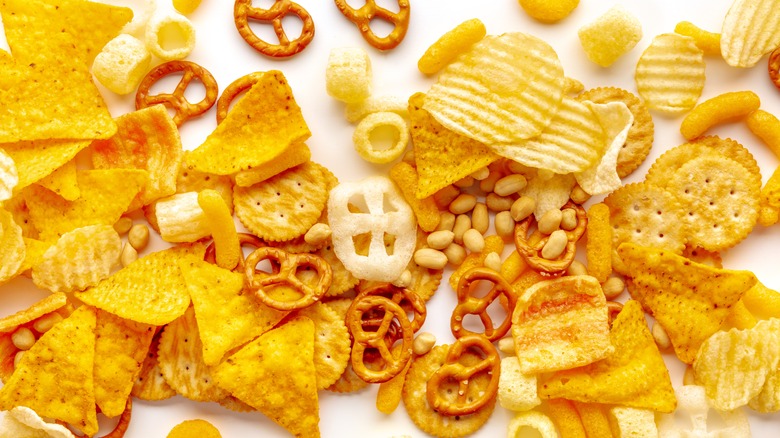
243	11
176	100
530	247
404	297
471	305
285	267
362	18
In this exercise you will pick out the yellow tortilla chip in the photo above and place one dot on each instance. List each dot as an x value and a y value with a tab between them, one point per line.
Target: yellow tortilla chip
63	181
281	360
293	155
228	315
258	129
633	375
425	209
690	300
36	159
54	377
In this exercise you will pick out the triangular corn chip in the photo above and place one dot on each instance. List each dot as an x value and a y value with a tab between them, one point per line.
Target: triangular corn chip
63	181
690	300
259	127
280	361
37	159
633	375
54	377
227	314
12	247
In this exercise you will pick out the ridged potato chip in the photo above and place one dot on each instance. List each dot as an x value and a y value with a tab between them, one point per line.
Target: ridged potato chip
610	36
603	177
750	31
514	82
12	247
670	73
79	259
768	400
9	176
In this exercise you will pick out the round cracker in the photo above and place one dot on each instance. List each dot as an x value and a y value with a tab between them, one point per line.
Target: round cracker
150	383
640	136
285	206
720	199
348	382
646	215
331	343
423	415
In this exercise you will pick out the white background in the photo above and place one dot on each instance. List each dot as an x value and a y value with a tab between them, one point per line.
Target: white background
221	50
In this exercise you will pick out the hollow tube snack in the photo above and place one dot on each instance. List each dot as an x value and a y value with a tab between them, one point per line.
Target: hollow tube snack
362	137
243	11
185	110
285	267
348	74
722	108
362	18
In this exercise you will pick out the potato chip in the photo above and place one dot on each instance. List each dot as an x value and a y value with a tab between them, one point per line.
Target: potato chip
739	317
169	35
150	383
281	358
768	400
151	290
722	108
348	74
36	159
633	374
294	155
442	156
194	428
9	176
332	344
146	139
24	422
688	299
670	73
219	295
356	111
243	140
53	381
125	343
79	259
693	404
122	63
514	81
516	390
750	31
425	209
634	423
610	36
63	181
285	206
602	177
533	420
549	194
450	45
12	247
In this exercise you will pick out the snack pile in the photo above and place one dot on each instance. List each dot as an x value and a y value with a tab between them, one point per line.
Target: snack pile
524	257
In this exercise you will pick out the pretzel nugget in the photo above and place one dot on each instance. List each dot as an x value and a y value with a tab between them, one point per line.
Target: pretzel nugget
722	108
363	134
122	64
170	35
348	74
708	42
223	228
450	45
766	127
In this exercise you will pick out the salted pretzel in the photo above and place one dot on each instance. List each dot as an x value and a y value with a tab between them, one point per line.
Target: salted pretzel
377	339
774	67
454	369
244	239
530	247
362	18
468	304
243	11
234	89
185	110
405	297
285	267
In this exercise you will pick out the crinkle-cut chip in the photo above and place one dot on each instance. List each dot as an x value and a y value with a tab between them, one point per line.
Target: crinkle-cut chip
610	36
505	89
560	324
283	359
151	290
720	198
146	139
670	73
692	403
9	176
450	45
646	215
332	343
55	382
23	422
442	156
243	140
179	218
79	259
180	358
37	159
150	383
522	422
516	391
640	136
219	295
285	206
425	209
169	35
348	74
12	247
634	423
733	365
122	63
63	181
194	428
424	416
633	374
768	400
549	194
688	299
750	31
120	349
294	155
573	141
603	177
105	196
356	111
700	255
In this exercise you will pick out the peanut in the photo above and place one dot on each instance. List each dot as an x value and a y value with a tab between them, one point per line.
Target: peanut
423	343
516	167
550	221
23	338
46	322
455	254
661	338
506	345
440	239
510	185
576	268
446	221
569	219
498	203
318	234
123	225
462	224
129	255
404	280
430	258
445	196
18	358
473	240
487	184
493	261
465	182
579	196
138	236
464	203
555	245
522	208
505	225
481	174
480	220
613	287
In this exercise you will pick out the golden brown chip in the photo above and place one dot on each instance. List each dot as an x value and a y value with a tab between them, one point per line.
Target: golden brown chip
63	181
425	209
332	343
700	255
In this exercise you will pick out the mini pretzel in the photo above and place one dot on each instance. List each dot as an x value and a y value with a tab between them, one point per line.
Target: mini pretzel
244	239
378	340
774	67
406	298
453	369
176	100
530	247
243	11
238	86
124	421
362	18
285	267
471	305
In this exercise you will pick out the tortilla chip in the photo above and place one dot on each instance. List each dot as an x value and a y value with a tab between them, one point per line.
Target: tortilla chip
36	159
426	211
63	181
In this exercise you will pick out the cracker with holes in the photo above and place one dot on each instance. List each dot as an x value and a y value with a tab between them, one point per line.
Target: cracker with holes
332	343
285	206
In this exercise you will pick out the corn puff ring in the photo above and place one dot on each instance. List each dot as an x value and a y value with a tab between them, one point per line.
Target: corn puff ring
722	108
160	25
708	42
450	45
363	16
362	137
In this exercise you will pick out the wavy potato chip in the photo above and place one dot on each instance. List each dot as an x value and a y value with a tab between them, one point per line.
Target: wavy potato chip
23	422
750	31
768	400
12	247
603	177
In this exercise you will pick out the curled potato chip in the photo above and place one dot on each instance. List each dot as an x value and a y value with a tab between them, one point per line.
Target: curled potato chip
721	108
348	74
170	35
692	402
12	247
750	31
181	219
450	45
610	36
603	177
9	176
122	63
22	421
378	121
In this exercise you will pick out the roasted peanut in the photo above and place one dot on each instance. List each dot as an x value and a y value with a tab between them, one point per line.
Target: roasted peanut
555	245
522	208
445	196
403	280
498	203
464	203
46	322
465	182
579	196
473	240
23	338
123	225
510	184
480	220
455	254
462	224
446	221
487	184
506	345
128	255
481	174
423	343
568	219
317	234
505	225
493	261
576	268
550	221
430	258
661	337
138	236
613	287
440	239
